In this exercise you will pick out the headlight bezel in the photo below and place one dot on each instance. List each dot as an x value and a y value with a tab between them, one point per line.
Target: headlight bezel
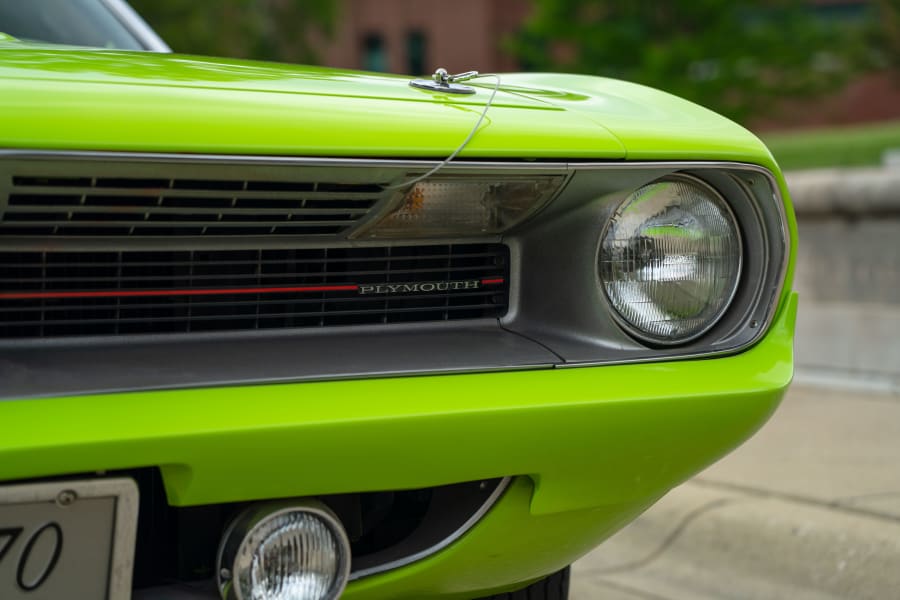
559	300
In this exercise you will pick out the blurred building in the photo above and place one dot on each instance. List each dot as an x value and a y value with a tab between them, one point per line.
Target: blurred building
417	36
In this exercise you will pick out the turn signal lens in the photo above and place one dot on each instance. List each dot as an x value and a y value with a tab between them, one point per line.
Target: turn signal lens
670	260
463	207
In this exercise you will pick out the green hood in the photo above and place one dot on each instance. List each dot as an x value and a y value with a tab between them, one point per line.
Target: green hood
76	99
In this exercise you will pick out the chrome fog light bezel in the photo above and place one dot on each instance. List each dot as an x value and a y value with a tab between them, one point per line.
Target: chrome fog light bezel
255	517
729	296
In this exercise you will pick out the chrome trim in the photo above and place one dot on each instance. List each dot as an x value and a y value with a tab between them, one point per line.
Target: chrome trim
633	330
477	516
125	492
136	25
444	88
304	161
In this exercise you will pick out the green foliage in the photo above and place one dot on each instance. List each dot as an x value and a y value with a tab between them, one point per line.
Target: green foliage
886	34
733	56
282	30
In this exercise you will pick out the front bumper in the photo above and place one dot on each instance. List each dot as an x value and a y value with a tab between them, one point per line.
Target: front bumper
593	447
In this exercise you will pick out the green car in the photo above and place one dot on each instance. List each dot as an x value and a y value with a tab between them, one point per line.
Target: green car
282	332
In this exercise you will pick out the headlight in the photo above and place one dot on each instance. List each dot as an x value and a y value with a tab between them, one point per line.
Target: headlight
670	260
451	206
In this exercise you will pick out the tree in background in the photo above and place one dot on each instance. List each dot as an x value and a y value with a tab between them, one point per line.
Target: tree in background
282	30
737	57
887	33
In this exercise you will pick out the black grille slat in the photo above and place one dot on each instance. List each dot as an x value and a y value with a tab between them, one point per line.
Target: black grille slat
111	220
50	200
235	278
194	304
166	192
51	181
90	208
438	272
152	207
281	315
268	261
130	230
182	183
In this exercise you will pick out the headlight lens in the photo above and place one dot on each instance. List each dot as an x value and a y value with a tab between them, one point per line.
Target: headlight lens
670	260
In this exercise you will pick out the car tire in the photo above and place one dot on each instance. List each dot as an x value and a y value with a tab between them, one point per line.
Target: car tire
553	587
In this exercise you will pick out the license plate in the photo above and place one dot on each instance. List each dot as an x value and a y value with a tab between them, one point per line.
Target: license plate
68	539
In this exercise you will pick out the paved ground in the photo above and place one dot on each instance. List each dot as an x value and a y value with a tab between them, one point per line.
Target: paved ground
809	508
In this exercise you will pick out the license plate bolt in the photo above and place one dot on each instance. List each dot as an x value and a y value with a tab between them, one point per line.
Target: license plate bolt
66	498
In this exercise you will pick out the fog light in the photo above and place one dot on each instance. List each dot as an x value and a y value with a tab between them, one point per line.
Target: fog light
284	551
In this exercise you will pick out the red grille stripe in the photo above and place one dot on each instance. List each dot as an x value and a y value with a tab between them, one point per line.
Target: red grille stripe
200	292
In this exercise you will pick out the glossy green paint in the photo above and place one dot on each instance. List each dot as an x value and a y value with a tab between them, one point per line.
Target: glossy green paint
594	446
197	105
510	544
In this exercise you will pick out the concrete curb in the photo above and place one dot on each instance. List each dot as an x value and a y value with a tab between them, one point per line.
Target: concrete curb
706	540
809	508
848	273
831	192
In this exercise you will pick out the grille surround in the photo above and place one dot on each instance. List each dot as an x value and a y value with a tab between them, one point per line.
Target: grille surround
75	293
543	327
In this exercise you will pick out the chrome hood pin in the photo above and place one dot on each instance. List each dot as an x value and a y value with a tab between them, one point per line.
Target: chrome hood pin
442	81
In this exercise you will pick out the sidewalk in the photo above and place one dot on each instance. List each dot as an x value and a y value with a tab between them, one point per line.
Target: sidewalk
809	508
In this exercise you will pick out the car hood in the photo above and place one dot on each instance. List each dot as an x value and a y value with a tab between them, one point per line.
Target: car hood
77	99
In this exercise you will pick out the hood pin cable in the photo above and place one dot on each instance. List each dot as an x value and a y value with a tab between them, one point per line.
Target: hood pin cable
443	81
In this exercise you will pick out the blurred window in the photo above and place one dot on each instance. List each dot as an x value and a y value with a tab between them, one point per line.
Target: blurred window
72	22
374	54
416	49
846	11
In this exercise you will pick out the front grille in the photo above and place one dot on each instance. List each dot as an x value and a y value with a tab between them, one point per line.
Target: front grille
48	294
38	205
